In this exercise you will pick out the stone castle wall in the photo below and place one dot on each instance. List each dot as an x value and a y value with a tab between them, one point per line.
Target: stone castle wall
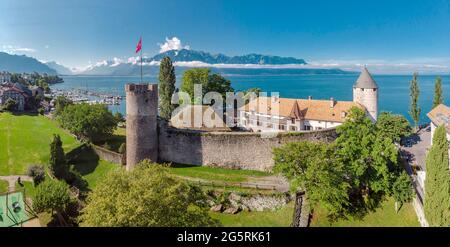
235	150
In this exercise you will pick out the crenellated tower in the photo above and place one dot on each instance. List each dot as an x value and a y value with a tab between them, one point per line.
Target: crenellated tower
142	112
365	92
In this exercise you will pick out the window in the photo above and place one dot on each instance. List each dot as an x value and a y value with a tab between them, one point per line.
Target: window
258	123
293	128
307	127
293	121
281	127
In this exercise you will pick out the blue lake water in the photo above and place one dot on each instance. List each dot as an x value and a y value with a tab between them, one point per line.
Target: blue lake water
393	89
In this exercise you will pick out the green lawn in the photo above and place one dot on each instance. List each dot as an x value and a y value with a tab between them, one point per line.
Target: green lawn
3	186
25	140
29	188
384	216
215	174
281	217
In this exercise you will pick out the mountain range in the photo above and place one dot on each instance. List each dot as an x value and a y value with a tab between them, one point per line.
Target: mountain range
23	64
185	55
251	64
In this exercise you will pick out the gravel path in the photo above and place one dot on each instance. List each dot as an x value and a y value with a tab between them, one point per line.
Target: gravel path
13	179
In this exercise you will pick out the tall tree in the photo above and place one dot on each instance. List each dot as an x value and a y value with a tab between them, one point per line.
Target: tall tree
58	162
146	196
414	110
402	190
209	82
310	168
392	126
167	81
192	77
437	181
370	160
91	122
438	97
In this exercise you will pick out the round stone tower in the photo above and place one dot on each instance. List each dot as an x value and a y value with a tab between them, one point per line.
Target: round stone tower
365	92
142	112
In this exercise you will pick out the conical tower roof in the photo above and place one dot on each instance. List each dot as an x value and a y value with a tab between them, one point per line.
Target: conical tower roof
365	80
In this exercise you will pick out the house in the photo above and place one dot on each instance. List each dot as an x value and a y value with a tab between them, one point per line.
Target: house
440	115
5	77
198	117
37	91
284	114
10	91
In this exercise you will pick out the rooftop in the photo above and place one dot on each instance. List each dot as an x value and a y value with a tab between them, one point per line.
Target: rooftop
322	110
365	80
440	115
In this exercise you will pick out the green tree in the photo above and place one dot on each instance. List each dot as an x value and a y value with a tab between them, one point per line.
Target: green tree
437	181
369	159
414	110
402	190
192	77
310	167
167	81
58	162
209	82
60	103
146	196
393	126
37	172
51	196
90	122
438	97
218	83
10	105
248	93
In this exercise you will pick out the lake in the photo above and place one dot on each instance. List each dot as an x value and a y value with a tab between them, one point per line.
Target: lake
393	89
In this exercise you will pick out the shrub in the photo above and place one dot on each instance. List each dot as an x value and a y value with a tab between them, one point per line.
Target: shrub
37	172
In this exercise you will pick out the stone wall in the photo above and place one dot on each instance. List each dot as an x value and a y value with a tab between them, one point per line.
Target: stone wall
235	150
109	155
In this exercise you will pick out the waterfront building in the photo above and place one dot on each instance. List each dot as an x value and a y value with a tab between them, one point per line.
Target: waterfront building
284	114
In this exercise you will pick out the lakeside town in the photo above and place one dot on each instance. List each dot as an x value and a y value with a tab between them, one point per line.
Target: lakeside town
225	123
90	147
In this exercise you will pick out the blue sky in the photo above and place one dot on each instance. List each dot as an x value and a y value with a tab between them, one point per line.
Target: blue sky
326	33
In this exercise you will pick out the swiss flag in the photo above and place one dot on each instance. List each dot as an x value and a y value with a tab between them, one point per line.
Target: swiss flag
139	45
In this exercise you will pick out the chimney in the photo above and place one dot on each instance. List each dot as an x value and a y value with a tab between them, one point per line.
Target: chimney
310	97
332	102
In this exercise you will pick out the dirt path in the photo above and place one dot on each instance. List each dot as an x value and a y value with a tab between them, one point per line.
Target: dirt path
13	179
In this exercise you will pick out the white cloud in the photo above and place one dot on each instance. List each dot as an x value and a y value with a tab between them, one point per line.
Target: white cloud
13	49
403	66
172	44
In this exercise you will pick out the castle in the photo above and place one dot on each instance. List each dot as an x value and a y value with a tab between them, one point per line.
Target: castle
150	138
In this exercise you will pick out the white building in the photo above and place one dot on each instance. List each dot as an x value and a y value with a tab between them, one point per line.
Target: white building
283	114
440	115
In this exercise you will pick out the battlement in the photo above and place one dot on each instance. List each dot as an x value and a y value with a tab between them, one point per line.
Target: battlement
141	88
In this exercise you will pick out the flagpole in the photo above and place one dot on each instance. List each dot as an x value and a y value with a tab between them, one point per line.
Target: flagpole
141	61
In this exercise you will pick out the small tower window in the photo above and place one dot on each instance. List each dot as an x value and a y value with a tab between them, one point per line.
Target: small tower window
374	89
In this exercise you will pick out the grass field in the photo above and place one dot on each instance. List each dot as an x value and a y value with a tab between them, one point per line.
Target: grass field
215	174
384	216
3	186
281	217
29	188
25	140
